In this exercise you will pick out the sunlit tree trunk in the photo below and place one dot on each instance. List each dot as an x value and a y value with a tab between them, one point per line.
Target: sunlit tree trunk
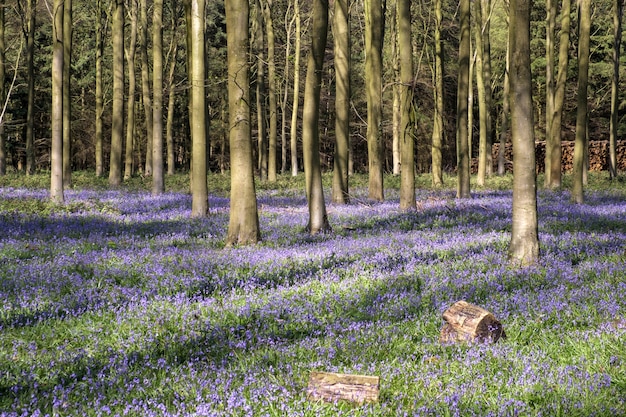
296	91
117	115
130	105
30	106
559	98
271	84
288	31
56	156
374	28
618	11
524	246
482	100
199	190
318	219
341	34
243	227
145	82
580	144
395	118
99	92
407	147
437	138
158	180
3	91
463	151
67	98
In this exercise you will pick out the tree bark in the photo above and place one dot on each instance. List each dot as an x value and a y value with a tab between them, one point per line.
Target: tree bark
341	34
482	99
117	115
374	26
199	189
504	123
551	9
524	246
243	226
437	138
580	144
407	146
261	94
271	84
99	92
158	180
3	91
318	219
145	83
130	105
56	156
463	151
171	98
30	106
67	98
618	12
296	91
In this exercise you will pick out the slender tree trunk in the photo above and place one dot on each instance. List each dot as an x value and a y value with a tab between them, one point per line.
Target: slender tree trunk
288	30
3	91
145	83
342	101
117	116
273	106
559	97
374	27
30	107
158	180
199	190
618	12
130	105
67	98
171	101
407	146
486	32
463	151
56	157
395	121
99	92
318	219
482	99
551	9
243	226
504	124
524	246
437	138
296	91
581	112
261	94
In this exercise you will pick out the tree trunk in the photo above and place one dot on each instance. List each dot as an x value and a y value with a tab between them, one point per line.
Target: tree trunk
99	92
199	190
486	6
395	66
283	128
158	180
318	219
437	138
504	124
374	27
30	106
580	144
407	146
117	116
554	142
130	105
524	246
341	35
463	151
259	47
482	95
67	98
618	11
3	91
171	102
551	9
56	156
243	227
145	83
296	91
273	107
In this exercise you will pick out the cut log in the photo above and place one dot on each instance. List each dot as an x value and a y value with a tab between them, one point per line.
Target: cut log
332	387
470	323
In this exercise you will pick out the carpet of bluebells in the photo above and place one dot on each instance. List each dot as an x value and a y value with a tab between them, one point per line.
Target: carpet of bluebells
119	304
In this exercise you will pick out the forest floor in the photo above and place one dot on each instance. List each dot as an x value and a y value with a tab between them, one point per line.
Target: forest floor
119	303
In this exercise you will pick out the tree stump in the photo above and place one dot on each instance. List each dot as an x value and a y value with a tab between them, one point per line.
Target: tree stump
332	387
470	323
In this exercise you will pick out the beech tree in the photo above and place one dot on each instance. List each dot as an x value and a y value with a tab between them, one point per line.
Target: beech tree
158	180
145	81
30	69
618	11
407	152
438	130
524	246
341	35
243	226
117	114
99	91
56	154
293	145
130	105
318	219
463	150
3	92
271	84
67	97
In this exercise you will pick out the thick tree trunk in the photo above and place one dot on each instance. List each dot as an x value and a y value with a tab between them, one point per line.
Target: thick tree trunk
524	246
463	151
318	219
407	146
117	115
56	156
580	145
199	189
341	32
374	26
158	180
243	227
130	105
